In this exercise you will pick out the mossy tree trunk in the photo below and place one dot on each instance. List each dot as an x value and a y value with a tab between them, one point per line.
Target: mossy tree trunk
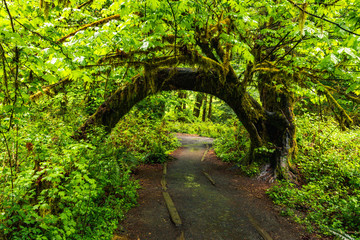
280	127
182	106
267	127
198	103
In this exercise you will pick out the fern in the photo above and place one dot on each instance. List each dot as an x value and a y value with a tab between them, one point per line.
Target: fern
340	235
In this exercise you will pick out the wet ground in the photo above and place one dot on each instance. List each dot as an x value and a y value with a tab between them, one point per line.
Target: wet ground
235	207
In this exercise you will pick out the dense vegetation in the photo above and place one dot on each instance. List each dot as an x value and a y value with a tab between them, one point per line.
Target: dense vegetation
90	90
325	196
328	191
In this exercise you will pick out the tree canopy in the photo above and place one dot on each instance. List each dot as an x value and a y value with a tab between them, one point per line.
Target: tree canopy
282	50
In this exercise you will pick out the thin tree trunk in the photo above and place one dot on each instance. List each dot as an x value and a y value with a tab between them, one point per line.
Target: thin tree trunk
198	104
204	108
210	107
181	105
184	96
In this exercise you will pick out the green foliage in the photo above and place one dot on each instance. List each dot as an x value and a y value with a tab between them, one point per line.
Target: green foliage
53	187
329	164
251	170
232	145
141	137
63	189
205	129
157	155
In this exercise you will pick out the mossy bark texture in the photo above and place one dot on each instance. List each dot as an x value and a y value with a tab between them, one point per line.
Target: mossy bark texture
279	122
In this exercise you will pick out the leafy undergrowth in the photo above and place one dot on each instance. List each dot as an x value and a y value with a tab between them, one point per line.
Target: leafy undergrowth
63	189
146	141
232	147
204	129
328	199
328	161
53	187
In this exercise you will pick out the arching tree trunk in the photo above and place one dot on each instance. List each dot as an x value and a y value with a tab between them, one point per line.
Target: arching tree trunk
267	127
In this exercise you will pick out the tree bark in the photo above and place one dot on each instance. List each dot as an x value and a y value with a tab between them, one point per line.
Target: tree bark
204	108
279	123
118	104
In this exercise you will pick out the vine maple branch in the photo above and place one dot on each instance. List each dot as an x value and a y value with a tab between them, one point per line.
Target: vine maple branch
96	23
322	18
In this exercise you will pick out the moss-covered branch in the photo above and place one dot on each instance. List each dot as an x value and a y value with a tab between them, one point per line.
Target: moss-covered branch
186	56
122	55
84	4
48	90
344	119
94	24
216	45
348	96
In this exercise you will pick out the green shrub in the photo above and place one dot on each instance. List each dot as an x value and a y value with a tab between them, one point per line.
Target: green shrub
141	137
156	155
329	168
205	129
232	145
53	187
65	190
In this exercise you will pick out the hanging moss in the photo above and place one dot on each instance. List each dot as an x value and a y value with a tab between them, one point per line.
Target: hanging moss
302	18
343	118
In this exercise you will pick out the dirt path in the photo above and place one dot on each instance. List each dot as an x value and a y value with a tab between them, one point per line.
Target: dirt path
235	207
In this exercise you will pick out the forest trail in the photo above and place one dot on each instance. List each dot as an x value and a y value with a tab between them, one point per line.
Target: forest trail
212	201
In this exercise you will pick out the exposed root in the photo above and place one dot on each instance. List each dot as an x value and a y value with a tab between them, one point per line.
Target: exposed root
269	174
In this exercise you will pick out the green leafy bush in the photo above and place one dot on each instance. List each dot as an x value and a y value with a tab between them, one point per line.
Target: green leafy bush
157	155
140	136
232	145
205	129
64	190
53	187
329	168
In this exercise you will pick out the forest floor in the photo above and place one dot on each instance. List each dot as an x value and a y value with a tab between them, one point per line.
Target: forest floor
235	207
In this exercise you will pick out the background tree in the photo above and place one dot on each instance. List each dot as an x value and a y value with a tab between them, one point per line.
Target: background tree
198	103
